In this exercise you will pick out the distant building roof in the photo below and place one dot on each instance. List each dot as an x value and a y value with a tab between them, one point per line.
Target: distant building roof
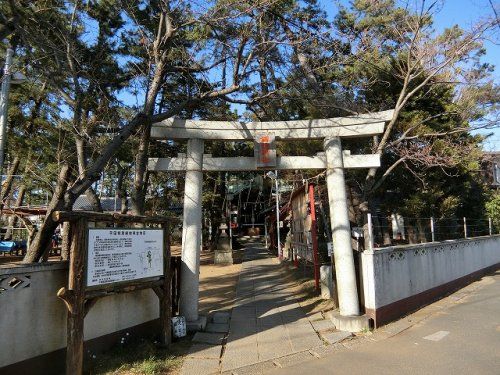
109	204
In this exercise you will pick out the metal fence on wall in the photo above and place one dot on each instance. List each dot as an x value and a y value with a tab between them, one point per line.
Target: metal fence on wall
401	230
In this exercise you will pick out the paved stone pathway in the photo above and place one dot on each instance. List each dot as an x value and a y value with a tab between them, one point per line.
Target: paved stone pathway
266	324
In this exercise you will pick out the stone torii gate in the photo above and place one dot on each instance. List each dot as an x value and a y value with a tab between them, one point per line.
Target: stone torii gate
334	160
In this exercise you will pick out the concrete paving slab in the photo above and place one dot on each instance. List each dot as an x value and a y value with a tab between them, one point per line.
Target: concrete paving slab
293	359
208	338
242	329
266	310
322	325
240	341
323	351
243	312
255	369
293	305
202	351
245	300
293	315
303	336
315	317
267	322
221	317
242	321
273	343
270	320
195	366
217	327
240	354
397	327
334	337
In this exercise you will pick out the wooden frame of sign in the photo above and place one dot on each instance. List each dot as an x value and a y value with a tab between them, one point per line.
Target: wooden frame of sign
79	298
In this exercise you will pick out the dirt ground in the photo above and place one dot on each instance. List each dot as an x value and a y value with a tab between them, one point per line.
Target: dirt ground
217	282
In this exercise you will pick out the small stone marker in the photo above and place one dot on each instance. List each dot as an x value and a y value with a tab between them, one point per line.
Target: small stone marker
179	326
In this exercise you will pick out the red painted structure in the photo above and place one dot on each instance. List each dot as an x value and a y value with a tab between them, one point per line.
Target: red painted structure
314	235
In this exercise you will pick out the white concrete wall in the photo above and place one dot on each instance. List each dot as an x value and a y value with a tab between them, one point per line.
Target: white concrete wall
33	319
394	273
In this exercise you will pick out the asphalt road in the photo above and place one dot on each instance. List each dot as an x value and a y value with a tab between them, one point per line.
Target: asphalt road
461	338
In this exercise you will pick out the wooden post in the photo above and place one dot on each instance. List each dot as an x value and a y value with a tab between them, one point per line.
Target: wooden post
164	292
76	293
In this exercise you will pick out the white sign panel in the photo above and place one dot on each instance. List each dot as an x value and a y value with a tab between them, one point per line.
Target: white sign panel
357	232
330	248
123	254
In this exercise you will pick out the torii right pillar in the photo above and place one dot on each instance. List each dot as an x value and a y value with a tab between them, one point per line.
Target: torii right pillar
349	319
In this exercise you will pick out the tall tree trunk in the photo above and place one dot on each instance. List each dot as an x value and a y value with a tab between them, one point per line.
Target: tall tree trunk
139	188
121	192
67	194
412	232
302	58
93	199
43	237
78	187
65	240
90	193
421	231
386	231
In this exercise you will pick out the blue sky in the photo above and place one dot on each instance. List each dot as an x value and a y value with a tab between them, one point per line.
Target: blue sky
450	12
463	13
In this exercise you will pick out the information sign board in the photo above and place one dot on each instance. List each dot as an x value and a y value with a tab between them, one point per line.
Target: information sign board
123	254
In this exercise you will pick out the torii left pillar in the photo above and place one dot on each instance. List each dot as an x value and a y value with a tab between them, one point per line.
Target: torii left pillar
191	235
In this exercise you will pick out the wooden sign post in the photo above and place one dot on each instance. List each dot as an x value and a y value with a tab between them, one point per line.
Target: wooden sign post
82	293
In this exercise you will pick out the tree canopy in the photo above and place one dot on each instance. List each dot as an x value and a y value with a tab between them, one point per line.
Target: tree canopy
100	72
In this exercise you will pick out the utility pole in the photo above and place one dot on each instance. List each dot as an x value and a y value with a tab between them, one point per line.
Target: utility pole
4	98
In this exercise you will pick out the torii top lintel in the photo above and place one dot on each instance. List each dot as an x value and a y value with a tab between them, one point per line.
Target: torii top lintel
347	127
